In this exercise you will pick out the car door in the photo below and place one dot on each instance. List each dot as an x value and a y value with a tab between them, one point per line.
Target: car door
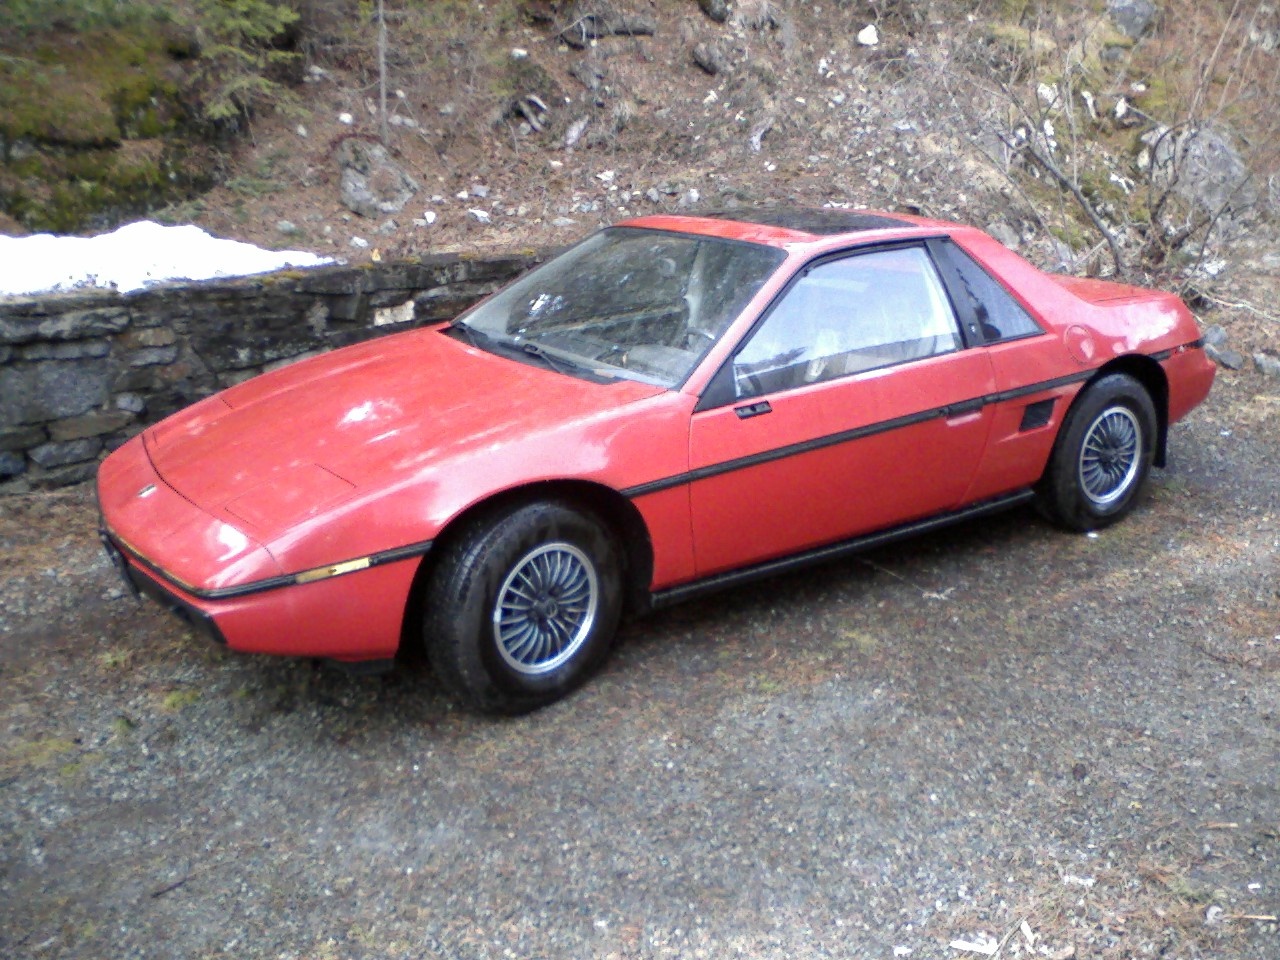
845	410
1035	376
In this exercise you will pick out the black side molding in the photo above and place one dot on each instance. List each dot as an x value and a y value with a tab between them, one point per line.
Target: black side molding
732	578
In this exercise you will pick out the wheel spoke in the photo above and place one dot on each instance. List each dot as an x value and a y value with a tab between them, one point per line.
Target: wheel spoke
1110	456
546	608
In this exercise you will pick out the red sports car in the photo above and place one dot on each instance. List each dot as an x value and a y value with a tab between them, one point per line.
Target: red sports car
674	405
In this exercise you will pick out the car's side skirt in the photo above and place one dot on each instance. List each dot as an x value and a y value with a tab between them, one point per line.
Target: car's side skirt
659	599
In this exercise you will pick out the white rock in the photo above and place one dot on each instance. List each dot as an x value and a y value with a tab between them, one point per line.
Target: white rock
563	222
359	242
429	217
462	195
480	215
479	190
346	118
869	36
606	175
1122	107
519	53
302	131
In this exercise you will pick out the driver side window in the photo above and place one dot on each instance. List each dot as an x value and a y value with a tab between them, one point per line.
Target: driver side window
846	316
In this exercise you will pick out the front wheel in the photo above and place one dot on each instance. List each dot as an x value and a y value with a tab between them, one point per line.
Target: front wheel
523	606
1102	457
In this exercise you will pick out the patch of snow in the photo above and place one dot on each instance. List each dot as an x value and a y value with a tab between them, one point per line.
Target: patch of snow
135	256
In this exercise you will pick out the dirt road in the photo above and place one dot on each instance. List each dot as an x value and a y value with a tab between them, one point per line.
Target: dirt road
1001	733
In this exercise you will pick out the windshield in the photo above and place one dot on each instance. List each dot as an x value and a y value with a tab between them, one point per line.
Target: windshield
626	302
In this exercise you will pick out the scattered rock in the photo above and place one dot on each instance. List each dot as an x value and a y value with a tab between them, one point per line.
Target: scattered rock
1005	234
1133	17
589	72
1214	335
1267	364
869	36
711	58
586	25
758	133
359	243
1203	167
372	183
480	215
575	132
287	227
563	222
1225	357
717	10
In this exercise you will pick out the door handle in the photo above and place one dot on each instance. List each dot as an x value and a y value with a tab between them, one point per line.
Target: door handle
753	409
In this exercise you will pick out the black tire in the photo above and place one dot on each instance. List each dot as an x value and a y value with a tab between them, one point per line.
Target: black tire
523	607
1102	456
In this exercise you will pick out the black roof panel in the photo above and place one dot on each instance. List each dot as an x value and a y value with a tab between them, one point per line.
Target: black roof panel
810	220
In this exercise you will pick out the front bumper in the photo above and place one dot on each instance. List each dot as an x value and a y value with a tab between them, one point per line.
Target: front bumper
230	586
139	583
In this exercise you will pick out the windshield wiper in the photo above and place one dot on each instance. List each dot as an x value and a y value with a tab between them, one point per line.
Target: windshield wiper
477	338
557	363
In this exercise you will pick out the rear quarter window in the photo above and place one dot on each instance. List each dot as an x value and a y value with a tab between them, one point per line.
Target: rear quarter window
1000	316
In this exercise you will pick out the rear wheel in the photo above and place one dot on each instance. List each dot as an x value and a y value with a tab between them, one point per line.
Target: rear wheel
523	607
1102	457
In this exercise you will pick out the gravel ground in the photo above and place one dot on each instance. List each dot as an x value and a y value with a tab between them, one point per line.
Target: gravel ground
1064	744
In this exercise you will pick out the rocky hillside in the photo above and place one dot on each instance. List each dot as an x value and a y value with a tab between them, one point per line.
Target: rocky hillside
1126	136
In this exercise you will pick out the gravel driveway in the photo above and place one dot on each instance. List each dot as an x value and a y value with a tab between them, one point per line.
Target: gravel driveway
1000	735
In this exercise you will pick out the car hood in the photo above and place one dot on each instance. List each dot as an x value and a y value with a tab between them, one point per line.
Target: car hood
286	445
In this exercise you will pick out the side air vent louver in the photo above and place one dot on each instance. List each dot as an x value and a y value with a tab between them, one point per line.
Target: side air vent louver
1036	415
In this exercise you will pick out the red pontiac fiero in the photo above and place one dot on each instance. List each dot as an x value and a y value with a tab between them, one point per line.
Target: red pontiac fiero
675	404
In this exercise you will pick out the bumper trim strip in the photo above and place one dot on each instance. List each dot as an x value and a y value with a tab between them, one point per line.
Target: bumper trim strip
312	575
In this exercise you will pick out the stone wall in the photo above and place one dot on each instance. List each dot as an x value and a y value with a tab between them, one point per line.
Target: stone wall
82	372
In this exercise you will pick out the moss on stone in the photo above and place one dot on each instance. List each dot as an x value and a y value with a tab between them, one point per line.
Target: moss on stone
82	117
